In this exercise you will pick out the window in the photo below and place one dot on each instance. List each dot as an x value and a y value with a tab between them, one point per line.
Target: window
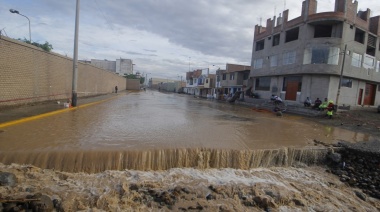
356	60
369	62
206	81
276	40
378	66
258	63
291	35
224	76
321	31
321	55
232	76
195	81
273	60
262	84
245	75
289	58
359	36
346	82
260	45
371	45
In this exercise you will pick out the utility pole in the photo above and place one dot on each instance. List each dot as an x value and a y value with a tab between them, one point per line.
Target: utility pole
341	76
75	59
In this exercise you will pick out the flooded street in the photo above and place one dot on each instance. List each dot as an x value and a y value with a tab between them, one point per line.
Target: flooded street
157	131
153	120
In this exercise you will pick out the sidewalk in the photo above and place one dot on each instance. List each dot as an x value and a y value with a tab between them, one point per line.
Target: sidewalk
29	110
291	107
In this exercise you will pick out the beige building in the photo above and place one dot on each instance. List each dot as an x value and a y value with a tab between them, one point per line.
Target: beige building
233	79
331	54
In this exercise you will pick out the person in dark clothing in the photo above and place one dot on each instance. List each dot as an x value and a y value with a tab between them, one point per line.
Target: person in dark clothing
116	89
317	103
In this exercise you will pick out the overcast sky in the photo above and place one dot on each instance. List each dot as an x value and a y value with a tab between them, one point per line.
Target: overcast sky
164	38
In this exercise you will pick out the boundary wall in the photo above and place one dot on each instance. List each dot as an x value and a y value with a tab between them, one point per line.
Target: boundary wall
29	74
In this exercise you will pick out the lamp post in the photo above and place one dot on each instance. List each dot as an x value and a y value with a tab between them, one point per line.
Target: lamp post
17	12
132	67
75	59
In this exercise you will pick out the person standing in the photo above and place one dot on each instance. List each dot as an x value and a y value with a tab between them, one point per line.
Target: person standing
116	89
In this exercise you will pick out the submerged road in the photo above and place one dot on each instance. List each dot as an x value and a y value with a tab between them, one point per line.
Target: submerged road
154	120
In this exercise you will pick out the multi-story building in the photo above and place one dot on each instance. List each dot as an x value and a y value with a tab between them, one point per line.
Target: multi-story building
330	54
234	78
199	84
120	66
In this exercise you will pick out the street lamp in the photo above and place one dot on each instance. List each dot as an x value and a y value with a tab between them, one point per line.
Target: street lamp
132	67
30	33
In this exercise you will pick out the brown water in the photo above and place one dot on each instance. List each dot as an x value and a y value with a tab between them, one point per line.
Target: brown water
157	131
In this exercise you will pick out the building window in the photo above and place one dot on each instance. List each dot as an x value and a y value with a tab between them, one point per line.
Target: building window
232	76
273	60
258	63
262	84
245	75
291	35
260	45
369	62
378	66
321	55
276	40
346	82
356	60
195	81
359	35
322	31
371	45
289	58
224	76
206	81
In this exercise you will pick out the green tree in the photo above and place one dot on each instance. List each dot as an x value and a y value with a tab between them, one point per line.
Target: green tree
46	46
134	76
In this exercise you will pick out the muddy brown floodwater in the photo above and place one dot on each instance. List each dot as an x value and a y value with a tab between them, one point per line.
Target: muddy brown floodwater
151	151
152	130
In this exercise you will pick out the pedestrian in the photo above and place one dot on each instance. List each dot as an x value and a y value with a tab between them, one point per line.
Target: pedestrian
116	89
317	103
330	109
307	102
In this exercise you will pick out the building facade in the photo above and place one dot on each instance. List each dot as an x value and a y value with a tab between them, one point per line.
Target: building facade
234	78
200	84
120	66
331	54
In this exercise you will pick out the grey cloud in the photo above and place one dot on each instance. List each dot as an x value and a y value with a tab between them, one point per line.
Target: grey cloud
138	53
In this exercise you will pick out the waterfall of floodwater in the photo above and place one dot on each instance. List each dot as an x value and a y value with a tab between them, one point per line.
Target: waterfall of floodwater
163	159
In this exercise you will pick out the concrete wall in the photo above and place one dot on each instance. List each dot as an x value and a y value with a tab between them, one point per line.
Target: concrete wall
133	84
30	74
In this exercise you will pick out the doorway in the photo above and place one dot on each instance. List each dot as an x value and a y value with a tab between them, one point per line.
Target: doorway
369	94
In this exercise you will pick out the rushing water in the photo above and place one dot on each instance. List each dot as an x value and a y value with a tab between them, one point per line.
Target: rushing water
152	130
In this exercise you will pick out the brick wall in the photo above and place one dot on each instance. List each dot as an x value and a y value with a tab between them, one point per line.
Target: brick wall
29	74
